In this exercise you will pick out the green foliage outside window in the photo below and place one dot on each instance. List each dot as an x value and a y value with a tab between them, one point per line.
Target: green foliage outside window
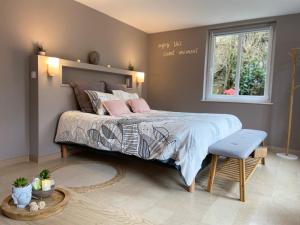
253	47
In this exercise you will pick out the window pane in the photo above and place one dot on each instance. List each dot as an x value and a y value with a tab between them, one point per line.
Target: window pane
224	64
254	63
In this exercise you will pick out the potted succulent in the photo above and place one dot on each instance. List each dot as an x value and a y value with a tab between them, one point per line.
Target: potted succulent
21	192
130	67
44	185
40	49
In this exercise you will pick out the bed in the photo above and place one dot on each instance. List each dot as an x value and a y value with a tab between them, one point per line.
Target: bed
160	135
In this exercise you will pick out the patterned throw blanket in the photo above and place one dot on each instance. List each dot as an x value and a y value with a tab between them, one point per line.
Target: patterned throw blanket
161	135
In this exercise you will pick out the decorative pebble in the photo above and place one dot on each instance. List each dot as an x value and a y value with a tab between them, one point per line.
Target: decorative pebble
42	205
94	58
32	203
34	207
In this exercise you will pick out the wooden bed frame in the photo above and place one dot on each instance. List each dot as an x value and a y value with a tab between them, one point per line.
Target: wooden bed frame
65	153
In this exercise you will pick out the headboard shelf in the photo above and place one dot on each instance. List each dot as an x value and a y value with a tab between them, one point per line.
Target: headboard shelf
87	66
50	96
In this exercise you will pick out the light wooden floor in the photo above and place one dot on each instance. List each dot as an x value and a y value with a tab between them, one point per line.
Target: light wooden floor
151	194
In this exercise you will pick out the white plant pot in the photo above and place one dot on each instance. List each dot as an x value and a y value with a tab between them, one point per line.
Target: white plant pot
42	53
46	185
22	195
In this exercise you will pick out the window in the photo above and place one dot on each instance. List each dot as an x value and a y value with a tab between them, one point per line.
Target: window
239	65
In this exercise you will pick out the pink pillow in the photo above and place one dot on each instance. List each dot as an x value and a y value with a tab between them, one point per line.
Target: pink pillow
138	105
116	107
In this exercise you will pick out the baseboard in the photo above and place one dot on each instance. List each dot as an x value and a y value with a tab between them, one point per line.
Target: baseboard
8	162
27	158
49	157
280	149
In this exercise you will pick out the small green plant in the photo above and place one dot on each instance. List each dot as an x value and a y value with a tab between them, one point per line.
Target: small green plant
45	174
40	48
130	67
20	182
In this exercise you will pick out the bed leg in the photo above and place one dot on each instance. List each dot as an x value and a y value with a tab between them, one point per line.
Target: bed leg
192	188
64	151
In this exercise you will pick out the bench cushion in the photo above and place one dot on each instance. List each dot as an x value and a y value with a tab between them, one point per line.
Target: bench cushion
238	145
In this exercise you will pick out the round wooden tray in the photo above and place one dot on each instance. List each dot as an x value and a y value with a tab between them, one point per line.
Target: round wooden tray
54	204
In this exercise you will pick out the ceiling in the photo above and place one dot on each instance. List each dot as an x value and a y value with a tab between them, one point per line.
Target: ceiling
154	16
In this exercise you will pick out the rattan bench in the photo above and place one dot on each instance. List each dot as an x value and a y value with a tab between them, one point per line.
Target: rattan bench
243	153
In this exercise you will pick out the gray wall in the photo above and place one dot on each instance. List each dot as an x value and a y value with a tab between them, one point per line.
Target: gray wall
176	82
68	30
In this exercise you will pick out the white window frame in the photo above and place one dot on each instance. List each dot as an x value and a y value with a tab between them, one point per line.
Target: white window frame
208	82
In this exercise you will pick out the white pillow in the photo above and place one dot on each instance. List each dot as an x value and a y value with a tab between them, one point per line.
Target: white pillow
123	95
97	98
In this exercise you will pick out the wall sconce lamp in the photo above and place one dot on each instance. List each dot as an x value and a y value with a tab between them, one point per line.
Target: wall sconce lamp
53	66
140	77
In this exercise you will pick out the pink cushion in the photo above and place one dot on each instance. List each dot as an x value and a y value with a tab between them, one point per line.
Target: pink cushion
116	107
138	105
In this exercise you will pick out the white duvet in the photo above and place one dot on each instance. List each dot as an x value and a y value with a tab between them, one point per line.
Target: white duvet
161	135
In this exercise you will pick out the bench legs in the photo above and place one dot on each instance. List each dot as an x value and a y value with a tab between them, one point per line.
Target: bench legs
212	173
242	176
242	179
263	160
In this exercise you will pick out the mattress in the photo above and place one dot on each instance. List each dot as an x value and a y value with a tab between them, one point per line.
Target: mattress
161	135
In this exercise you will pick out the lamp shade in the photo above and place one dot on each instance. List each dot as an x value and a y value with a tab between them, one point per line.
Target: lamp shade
140	77
53	66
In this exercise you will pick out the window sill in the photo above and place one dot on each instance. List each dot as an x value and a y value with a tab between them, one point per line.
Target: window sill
239	102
